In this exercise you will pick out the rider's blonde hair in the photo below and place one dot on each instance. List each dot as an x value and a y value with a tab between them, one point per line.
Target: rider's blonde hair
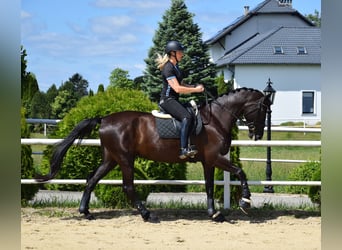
161	60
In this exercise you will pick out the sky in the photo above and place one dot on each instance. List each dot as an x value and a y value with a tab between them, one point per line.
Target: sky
93	37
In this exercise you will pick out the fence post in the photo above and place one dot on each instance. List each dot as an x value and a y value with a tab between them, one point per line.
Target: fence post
226	186
226	191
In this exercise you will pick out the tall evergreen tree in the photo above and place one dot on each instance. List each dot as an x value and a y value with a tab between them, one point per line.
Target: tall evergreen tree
100	88
40	106
177	24
69	93
29	84
76	85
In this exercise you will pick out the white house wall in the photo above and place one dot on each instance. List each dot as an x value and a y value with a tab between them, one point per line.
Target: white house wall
289	81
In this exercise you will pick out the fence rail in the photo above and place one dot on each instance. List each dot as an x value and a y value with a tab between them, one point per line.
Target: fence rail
174	182
226	182
250	143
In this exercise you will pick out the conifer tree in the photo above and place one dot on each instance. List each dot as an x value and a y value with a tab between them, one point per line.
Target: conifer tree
177	24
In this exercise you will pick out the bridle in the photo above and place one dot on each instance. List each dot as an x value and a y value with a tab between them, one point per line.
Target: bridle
259	105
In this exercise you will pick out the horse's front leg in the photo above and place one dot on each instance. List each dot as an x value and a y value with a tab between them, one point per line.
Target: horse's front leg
245	201
224	164
209	187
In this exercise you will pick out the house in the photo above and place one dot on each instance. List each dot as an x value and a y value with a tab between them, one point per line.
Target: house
274	41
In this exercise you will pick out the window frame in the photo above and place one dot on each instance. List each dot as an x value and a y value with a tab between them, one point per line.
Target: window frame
301	50
312	104
278	50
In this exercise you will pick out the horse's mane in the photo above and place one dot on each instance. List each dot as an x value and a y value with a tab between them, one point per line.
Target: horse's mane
241	89
233	91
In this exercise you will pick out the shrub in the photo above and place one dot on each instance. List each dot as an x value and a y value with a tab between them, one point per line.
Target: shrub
315	191
310	171
27	169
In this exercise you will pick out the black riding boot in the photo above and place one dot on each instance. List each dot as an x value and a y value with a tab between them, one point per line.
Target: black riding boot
184	134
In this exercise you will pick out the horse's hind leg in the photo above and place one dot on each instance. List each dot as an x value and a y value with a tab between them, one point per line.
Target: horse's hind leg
128	188
97	175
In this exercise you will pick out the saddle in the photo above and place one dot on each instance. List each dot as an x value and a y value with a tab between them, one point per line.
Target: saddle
168	127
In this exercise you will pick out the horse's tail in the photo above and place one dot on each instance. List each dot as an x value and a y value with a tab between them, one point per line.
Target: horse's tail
83	129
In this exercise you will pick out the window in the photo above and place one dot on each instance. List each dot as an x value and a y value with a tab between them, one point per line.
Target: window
301	50
308	102
278	50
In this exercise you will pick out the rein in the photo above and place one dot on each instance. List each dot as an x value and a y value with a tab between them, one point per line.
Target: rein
244	122
207	93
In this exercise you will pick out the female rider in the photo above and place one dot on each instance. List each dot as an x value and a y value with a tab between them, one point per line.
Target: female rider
173	86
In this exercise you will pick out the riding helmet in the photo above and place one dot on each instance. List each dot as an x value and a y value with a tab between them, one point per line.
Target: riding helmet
173	46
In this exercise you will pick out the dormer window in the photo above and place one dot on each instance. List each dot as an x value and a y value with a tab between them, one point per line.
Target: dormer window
278	50
301	50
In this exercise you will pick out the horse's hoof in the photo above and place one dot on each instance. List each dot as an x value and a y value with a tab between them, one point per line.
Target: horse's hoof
244	204
218	217
153	219
89	216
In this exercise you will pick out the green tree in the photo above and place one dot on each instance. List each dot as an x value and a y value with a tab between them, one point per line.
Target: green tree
177	24
315	18
138	81
40	108
120	78
29	84
69	93
51	94
76	85
100	88
63	102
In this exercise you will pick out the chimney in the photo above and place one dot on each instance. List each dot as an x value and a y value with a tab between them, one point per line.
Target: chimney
246	10
285	2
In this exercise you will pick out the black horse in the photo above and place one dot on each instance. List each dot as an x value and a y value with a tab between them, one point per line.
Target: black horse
130	134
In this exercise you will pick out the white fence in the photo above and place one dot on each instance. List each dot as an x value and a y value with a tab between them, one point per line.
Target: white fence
226	182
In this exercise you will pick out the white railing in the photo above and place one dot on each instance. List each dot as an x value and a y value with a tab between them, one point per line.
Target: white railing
250	143
226	182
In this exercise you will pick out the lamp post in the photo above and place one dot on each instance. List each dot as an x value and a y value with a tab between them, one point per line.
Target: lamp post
270	93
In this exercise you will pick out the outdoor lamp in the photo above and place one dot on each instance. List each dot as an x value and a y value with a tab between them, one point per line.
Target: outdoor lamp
269	91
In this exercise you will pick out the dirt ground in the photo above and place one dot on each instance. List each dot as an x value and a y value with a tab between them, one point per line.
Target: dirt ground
58	228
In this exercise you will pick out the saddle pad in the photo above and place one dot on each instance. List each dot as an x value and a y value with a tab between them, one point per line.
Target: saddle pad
170	128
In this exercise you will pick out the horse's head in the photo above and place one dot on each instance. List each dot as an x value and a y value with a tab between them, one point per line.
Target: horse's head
255	115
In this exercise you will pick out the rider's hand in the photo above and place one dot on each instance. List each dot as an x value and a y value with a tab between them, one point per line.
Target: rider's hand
199	88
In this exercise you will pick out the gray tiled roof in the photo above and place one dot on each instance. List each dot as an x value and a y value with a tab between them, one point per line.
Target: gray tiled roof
260	49
267	6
